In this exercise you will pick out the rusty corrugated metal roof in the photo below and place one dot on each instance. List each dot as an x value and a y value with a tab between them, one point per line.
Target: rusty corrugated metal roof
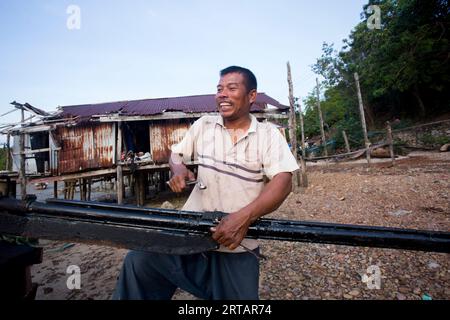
146	107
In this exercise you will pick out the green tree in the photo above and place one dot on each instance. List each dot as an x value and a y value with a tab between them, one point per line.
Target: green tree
403	68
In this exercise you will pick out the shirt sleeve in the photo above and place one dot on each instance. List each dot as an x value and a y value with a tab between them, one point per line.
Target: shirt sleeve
278	157
185	148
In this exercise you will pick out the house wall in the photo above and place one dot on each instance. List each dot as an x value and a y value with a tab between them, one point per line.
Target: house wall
30	163
163	134
86	147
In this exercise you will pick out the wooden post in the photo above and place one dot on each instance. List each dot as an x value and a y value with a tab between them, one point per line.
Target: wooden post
292	135
162	181
22	172
322	131
390	141
89	190
81	189
66	192
119	187
132	183
292	121
140	189
84	189
55	189
8	154
73	185
304	177
347	145
363	118
49	154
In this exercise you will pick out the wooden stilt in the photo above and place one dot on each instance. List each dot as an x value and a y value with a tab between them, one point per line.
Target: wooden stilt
55	189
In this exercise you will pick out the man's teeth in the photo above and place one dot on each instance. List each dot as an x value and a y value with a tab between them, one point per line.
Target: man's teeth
224	104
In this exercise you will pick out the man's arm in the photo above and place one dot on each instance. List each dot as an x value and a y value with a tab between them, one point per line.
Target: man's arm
232	229
180	173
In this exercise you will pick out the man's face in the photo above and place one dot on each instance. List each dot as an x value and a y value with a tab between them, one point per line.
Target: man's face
232	99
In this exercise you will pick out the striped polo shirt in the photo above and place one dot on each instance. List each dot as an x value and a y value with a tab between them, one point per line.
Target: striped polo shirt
234	173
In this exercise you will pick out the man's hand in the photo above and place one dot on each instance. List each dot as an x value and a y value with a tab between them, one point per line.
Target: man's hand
232	229
180	173
178	182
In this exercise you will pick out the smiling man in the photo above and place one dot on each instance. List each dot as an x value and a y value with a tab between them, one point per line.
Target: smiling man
246	167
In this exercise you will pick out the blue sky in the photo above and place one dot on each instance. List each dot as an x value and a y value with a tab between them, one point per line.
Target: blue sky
138	49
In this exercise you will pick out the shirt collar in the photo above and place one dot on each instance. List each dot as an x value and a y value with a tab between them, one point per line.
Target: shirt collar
252	127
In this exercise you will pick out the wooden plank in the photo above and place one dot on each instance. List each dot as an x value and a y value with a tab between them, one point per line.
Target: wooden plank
180	115
35	151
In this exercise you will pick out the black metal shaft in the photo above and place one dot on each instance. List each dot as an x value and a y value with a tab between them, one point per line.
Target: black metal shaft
198	224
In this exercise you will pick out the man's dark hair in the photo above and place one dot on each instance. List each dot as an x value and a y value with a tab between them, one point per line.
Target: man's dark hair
249	77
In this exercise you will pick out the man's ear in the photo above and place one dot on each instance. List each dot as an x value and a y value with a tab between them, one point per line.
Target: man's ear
252	96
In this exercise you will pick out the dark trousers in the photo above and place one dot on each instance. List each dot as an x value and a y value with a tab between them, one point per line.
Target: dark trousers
209	275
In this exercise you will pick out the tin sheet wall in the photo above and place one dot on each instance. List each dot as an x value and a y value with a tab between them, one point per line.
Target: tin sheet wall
163	134
86	147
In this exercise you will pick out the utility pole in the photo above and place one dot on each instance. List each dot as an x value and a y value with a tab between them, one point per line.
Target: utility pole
322	131
363	118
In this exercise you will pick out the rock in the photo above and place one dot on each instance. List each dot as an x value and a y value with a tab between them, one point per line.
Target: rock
354	292
445	147
401	296
48	290
404	289
380	153
167	205
342	199
399	213
347	296
417	291
433	265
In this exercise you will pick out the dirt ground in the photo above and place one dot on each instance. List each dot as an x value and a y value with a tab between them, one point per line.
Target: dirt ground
412	194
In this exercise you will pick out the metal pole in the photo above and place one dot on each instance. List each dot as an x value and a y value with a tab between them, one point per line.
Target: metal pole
96	221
